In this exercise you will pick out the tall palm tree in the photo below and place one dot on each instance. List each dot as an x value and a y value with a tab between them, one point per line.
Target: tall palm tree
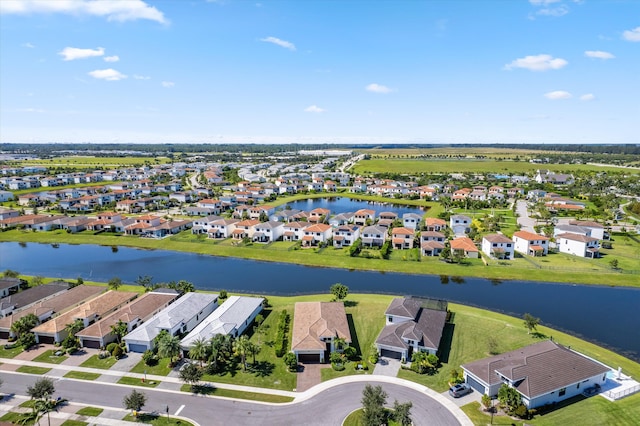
241	347
169	347
199	350
254	349
120	329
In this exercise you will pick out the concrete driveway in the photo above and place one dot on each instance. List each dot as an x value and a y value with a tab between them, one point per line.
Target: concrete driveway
464	400
524	220
387	367
309	375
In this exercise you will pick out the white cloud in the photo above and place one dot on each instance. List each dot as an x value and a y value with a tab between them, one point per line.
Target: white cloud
557	95
554	11
73	53
112	10
109	74
543	2
599	54
314	108
378	88
587	97
141	77
279	42
632	35
114	58
28	45
537	63
168	84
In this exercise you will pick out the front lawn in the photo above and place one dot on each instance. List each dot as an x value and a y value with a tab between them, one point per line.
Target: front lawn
133	381
160	369
50	357
90	411
10	353
156	420
253	396
95	362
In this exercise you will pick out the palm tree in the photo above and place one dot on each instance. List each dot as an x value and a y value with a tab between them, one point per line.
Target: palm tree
241	347
120	329
254	349
199	350
169	347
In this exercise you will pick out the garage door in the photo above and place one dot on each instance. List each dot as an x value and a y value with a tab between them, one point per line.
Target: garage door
386	353
46	339
309	358
95	344
4	334
476	385
137	348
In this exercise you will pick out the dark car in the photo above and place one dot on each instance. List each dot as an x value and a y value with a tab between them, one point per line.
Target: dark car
459	390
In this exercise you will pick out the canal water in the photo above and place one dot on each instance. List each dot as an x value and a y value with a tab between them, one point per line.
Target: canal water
604	315
343	205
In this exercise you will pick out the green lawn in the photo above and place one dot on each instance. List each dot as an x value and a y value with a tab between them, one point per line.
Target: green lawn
74	423
133	381
13	418
90	411
86	161
48	356
156	420
253	396
33	370
95	362
10	353
160	369
82	375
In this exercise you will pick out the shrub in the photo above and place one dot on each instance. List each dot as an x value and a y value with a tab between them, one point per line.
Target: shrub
103	355
281	336
337	366
521	412
111	346
290	361
117	352
148	357
350	352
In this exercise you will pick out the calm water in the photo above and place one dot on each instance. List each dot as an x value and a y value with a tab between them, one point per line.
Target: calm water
603	315
343	205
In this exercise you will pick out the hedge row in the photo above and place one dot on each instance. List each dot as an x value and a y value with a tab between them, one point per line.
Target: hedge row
281	336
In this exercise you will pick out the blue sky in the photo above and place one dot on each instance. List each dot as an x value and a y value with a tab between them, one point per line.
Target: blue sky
534	71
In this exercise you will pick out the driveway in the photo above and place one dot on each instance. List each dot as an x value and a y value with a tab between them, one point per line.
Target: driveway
387	367
308	376
524	220
127	362
464	400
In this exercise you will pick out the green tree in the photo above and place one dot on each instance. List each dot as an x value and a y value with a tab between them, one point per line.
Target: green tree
185	287
115	283
134	401
24	324
373	400
290	361
42	388
253	350
402	413
199	350
10	273
530	322
613	263
37	280
27	340
169	347
144	281
74	327
486	401
120	329
510	397
241	347
191	374
339	291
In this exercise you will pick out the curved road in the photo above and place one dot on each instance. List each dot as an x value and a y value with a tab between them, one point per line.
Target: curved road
328	407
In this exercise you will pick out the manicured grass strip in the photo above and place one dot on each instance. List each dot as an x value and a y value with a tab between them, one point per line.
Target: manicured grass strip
133	381
82	375
28	403
74	423
9	353
90	411
95	362
156	420
50	357
480	418
160	369
253	396
13	418
33	370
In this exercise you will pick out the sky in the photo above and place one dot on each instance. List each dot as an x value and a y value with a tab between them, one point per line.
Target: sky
375	71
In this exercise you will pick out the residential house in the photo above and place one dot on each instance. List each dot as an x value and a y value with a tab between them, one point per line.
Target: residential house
410	327
542	373
23	299
434	224
578	245
364	217
232	318
460	224
9	286
402	238
268	232
284	216
181	316
373	236
431	243
244	229
203	225
464	246
546	176
100	334
329	186
390	216
294	231
6	196
319	215
256	211
530	244
316	326
411	221
222	228
571	229
597	229
345	235
316	234
8	213
498	246
342	219
54	330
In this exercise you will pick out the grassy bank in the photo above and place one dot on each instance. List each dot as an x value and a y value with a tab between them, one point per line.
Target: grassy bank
330	257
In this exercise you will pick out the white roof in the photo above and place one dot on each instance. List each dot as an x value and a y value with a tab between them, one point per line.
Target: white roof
183	309
228	317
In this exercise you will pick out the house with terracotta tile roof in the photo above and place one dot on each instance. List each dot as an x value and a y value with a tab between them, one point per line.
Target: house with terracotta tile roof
319	215
244	229
363	215
294	231
434	224
542	373
25	298
316	234
410	327
498	246
431	243
530	244
578	245
53	331
402	238
465	246
222	228
316	326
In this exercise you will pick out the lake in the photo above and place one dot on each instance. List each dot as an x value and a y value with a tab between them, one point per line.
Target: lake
604	315
343	205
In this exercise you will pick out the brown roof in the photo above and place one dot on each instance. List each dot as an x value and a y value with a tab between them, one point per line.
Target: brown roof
142	308
577	237
431	245
586	223
497	238
100	305
401	231
315	320
529	236
463	243
318	227
425	327
537	369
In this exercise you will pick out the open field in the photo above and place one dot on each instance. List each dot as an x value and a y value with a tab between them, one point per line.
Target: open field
330	257
413	166
56	188
467	151
85	161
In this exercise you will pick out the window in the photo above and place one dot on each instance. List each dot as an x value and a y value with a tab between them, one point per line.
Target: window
562	392
390	318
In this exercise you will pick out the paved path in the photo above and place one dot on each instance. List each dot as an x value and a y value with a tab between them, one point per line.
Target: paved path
309	375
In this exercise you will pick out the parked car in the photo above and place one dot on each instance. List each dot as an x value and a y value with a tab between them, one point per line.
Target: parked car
459	390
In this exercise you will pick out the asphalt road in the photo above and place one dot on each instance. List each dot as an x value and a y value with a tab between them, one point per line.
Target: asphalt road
329	407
